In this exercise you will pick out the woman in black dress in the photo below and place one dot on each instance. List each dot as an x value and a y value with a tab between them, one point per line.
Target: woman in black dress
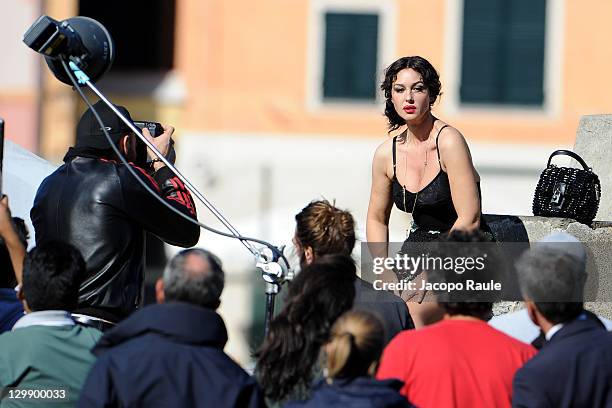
426	170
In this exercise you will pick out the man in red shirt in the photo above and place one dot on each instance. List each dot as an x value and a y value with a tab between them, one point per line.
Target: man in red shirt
460	361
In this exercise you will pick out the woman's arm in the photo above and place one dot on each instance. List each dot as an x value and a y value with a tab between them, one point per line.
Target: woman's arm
379	208
13	244
456	160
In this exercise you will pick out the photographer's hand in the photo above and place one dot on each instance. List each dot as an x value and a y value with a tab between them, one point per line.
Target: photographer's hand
161	142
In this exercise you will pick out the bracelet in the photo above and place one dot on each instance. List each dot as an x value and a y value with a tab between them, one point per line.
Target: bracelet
151	164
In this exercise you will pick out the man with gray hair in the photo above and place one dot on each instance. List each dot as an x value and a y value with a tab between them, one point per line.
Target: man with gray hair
574	367
171	354
193	276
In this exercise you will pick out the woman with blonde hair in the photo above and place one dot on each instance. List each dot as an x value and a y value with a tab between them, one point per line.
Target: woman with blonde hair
288	359
353	351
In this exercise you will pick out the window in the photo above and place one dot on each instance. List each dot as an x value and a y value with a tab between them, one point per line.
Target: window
349	44
503	52
350	59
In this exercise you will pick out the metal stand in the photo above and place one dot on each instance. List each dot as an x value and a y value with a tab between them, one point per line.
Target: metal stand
271	291
274	275
267	260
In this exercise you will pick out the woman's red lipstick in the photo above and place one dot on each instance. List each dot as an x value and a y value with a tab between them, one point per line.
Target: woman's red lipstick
409	108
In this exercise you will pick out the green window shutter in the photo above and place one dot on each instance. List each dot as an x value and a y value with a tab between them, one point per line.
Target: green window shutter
481	56
503	52
351	48
523	78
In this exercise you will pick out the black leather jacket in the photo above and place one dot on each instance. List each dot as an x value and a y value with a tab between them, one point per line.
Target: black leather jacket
97	206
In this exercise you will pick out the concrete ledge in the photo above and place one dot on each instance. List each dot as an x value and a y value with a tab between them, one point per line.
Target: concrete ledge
594	145
522	228
597	240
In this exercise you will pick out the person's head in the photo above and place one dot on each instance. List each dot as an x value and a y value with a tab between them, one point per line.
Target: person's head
193	276
552	275
317	296
356	342
323	229
91	136
7	274
52	274
466	248
411	86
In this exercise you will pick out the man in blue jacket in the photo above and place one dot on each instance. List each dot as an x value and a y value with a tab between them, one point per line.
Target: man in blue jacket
574	367
171	354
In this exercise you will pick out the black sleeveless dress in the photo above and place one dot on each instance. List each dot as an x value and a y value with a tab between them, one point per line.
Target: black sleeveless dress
434	212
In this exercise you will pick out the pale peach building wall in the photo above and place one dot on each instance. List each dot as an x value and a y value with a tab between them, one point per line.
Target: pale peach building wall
18	74
245	67
584	65
59	101
245	63
245	70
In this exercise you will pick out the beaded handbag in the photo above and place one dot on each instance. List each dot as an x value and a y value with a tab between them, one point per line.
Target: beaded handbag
567	192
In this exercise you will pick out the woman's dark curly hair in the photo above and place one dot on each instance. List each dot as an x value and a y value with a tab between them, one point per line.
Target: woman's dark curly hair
431	79
318	295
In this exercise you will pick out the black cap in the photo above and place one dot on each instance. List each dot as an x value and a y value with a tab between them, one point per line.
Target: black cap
89	132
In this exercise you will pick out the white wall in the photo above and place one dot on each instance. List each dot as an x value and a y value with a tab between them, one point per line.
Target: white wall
18	70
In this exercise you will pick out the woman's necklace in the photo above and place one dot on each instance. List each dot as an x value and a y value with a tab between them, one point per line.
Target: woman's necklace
416	196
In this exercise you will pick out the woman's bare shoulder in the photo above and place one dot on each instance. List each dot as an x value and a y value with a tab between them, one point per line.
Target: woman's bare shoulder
450	138
384	149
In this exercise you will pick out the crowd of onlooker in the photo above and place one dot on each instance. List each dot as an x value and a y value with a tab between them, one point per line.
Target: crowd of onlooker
335	342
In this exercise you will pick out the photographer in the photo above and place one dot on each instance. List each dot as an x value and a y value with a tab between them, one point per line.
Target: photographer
93	202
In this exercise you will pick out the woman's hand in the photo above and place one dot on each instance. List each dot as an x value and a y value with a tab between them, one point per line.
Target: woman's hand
422	304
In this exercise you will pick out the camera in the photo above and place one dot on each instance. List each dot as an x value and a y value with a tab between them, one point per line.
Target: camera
155	128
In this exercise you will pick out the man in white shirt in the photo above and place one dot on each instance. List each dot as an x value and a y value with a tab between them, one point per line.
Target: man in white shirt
574	366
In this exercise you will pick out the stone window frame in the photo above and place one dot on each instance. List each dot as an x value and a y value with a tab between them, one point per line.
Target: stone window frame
385	9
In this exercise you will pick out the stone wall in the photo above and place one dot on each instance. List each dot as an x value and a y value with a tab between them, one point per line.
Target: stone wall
594	145
597	240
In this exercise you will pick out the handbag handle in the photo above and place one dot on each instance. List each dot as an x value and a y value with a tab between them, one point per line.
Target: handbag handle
570	154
